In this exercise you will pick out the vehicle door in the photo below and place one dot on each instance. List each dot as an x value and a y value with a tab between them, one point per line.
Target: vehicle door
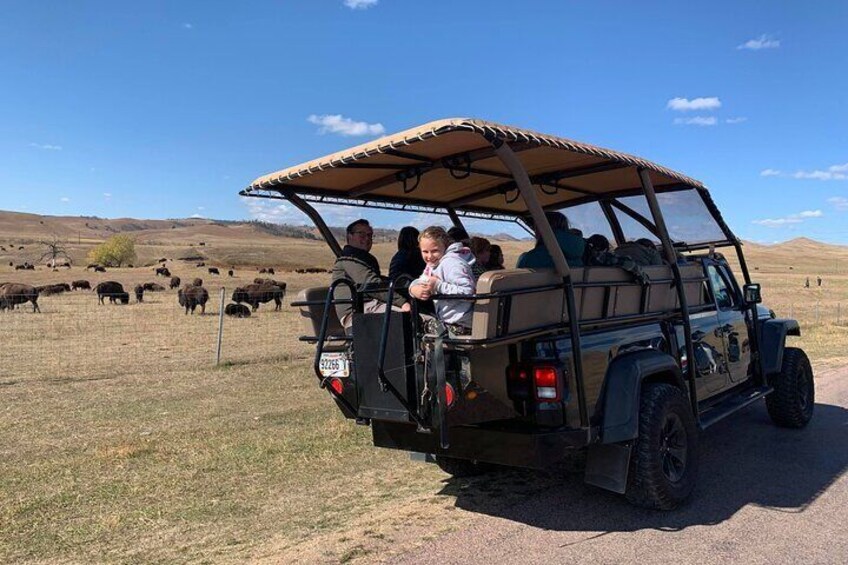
708	347
731	317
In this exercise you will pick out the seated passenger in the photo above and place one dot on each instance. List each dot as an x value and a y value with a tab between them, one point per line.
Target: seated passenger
482	249
595	245
459	235
642	251
496	259
572	246
407	260
448	271
359	266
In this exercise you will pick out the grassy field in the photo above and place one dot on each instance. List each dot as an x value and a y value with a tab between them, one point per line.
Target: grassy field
120	441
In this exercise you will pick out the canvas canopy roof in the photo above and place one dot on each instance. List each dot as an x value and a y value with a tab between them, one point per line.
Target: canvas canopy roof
451	163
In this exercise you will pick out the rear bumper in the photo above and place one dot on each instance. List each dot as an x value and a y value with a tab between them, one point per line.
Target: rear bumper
532	450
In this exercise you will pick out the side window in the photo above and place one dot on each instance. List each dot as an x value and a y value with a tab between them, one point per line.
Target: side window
722	291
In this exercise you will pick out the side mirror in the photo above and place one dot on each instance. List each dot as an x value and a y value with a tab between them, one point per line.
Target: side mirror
752	293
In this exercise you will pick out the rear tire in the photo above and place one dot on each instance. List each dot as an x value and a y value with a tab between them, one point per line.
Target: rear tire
461	468
791	404
664	464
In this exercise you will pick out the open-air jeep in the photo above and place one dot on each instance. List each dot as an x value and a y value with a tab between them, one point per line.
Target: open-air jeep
558	360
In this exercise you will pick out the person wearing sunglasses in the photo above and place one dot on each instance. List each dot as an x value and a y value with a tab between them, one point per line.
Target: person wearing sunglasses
358	265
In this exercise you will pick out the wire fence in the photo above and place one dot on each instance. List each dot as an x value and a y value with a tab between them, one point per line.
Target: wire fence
74	337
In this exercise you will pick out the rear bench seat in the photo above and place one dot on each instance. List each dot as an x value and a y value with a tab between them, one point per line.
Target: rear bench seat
312	315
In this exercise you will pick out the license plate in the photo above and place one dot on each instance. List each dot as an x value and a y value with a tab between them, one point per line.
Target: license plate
334	365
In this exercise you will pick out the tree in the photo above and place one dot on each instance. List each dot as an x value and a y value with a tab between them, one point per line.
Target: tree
113	252
53	250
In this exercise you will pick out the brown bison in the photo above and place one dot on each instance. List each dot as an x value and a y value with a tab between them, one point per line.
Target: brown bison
112	290
163	272
230	273
80	285
237	310
152	287
48	289
253	294
12	294
214	271
139	293
197	282
190	297
99	269
175	282
201	264
162	260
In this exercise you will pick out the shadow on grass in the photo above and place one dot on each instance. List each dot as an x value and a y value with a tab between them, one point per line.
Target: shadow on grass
744	460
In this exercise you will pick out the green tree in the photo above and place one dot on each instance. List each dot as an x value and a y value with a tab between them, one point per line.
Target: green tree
113	252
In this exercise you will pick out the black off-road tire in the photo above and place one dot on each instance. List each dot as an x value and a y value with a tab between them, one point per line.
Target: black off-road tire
461	468
664	463
791	404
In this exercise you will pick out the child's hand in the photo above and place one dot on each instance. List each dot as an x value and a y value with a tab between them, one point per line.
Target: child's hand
433	283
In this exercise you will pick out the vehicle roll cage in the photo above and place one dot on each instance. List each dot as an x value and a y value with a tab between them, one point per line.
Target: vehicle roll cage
519	183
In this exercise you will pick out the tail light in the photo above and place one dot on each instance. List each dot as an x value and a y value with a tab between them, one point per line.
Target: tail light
337	385
547	383
450	395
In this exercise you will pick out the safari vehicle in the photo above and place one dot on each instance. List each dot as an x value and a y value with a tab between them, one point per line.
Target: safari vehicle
561	360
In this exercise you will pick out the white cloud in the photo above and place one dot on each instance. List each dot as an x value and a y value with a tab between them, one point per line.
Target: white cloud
336	123
46	146
64	199
107	194
188	26
738	120
360	4
684	104
839	202
762	42
770	173
834	172
276	212
198	216
789	221
696	121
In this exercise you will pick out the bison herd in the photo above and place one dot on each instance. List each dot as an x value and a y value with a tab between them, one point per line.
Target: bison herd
190	297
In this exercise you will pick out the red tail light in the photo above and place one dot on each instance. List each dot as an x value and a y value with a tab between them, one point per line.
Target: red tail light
547	383
518	382
450	395
337	385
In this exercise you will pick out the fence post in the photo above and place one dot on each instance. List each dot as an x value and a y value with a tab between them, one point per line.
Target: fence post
220	326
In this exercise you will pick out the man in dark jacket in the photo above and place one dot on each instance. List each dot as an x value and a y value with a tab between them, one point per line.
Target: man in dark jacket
358	265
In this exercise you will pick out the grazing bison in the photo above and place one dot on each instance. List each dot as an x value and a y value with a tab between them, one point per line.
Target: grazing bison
237	310
163	272
139	293
253	294
175	282
162	260
123	298
49	289
190	297
311	270
81	285
152	287
214	271
99	269
230	273
201	265
111	290
197	282
12	294
91	266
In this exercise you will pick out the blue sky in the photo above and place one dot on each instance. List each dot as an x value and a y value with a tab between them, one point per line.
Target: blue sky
166	109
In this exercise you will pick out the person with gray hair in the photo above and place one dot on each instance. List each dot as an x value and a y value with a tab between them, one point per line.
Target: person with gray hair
572	246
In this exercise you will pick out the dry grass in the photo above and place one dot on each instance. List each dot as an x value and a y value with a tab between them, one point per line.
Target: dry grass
120	441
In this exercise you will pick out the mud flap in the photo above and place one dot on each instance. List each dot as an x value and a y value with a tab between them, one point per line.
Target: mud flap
607	466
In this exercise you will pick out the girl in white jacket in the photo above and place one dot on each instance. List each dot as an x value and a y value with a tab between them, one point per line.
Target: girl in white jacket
448	271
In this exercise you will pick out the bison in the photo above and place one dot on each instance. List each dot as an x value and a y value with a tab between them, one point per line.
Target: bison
201	265
99	269
49	289
253	294
12	294
111	290
162	260
190	297
91	266
197	282
81	285
163	272
230	273
139	293
237	310
175	282
214	271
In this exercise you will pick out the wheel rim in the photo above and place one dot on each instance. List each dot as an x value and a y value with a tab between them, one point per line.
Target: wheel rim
673	448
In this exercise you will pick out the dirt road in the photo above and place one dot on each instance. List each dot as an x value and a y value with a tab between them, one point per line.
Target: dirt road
765	495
